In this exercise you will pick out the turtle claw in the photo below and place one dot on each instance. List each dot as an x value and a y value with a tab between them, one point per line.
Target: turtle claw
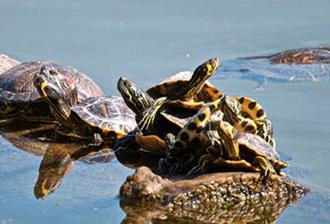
150	114
203	162
265	175
194	170
98	139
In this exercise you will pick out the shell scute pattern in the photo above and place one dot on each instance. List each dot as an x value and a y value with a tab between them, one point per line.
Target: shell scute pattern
17	82
108	113
302	56
257	144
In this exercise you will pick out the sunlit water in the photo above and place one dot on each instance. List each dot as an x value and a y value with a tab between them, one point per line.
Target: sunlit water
147	41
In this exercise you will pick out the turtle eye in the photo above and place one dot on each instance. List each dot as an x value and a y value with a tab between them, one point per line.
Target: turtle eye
52	72
38	80
112	136
128	84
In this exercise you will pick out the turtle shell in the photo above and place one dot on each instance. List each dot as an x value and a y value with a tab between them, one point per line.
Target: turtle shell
207	94
17	83
6	63
108	113
302	56
256	145
317	55
17	89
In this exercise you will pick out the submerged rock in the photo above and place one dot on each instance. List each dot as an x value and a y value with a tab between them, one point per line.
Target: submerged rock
231	197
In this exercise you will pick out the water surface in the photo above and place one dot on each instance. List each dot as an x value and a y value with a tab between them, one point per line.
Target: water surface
147	41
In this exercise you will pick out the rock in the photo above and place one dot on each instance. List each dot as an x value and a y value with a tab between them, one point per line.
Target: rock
231	197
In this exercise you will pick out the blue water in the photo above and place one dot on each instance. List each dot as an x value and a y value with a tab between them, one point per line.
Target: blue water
147	41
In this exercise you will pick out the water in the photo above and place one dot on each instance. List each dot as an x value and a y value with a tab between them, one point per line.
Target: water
147	41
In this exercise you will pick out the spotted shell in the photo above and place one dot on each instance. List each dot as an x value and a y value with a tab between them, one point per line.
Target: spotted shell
207	94
107	113
16	84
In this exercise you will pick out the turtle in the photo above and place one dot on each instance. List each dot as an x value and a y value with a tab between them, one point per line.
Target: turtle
254	154
166	121
101	120
19	97
312	55
208	138
186	96
294	65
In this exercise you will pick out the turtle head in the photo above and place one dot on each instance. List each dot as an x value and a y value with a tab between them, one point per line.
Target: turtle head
135	98
202	73
209	67
58	90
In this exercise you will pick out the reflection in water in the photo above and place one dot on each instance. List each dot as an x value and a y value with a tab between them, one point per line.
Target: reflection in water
263	71
179	201
217	198
57	152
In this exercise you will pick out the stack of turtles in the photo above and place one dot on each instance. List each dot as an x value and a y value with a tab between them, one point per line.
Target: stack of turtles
198	129
185	119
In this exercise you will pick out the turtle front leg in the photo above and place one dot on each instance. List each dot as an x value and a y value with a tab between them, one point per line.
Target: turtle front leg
151	143
265	167
234	164
187	104
135	140
150	114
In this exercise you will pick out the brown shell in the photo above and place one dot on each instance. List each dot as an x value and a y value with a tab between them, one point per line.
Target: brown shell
17	83
302	56
107	113
317	55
